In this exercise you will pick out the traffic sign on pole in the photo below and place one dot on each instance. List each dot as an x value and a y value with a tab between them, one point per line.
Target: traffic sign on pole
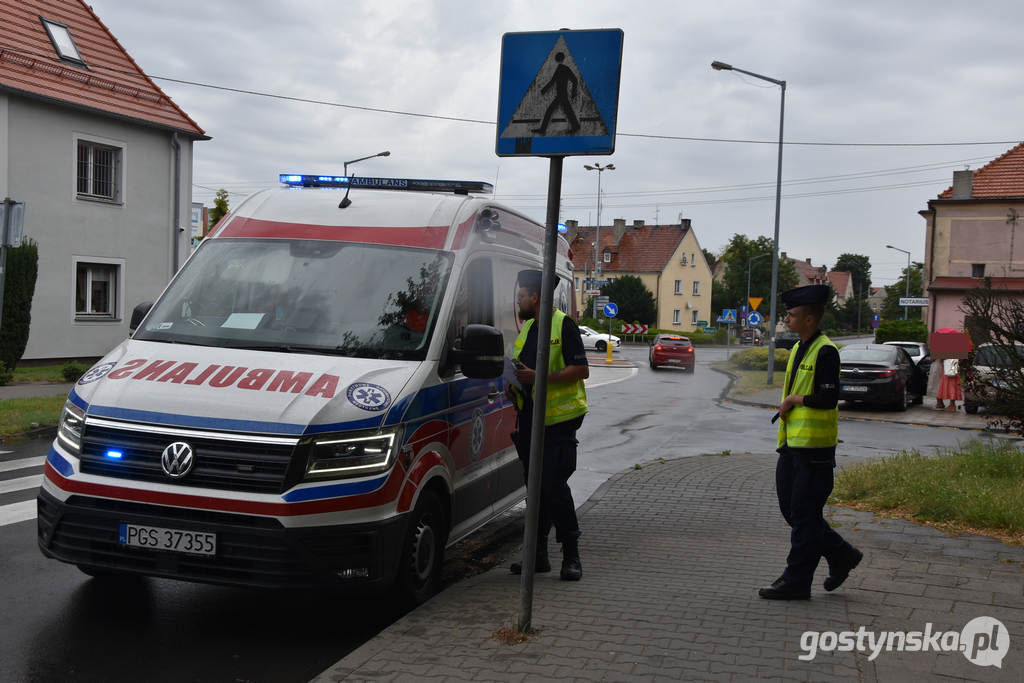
754	302
611	310
728	315
754	319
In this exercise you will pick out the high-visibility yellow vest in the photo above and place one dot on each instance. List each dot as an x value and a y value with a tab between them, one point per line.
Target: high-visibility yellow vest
566	400
808	427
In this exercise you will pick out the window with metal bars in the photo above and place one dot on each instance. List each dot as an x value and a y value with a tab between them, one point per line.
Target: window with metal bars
98	171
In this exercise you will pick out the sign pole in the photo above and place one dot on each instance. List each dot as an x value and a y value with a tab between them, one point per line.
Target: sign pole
540	395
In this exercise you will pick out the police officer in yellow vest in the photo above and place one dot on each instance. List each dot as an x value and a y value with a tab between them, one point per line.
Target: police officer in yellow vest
563	415
808	433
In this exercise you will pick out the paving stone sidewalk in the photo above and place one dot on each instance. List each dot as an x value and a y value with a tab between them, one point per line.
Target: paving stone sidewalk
673	554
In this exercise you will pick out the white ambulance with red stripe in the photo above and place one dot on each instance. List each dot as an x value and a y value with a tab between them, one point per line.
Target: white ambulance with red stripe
317	398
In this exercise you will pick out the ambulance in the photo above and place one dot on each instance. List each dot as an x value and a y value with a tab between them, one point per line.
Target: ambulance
316	399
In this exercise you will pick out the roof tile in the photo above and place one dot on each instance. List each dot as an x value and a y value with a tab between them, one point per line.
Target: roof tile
642	249
1001	177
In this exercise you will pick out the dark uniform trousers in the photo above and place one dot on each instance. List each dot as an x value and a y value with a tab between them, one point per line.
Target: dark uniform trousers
803	482
556	504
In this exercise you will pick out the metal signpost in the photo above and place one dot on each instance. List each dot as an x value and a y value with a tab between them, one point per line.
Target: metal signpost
558	96
610	310
728	317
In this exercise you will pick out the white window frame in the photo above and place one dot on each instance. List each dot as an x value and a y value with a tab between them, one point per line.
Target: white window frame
120	171
675	316
693	260
696	287
695	316
576	283
117	315
679	287
607	257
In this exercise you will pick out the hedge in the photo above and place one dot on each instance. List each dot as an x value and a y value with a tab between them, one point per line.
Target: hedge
757	359
901	330
19	286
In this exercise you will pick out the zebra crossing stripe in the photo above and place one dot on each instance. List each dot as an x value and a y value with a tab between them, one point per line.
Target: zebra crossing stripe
21	483
22	464
17	512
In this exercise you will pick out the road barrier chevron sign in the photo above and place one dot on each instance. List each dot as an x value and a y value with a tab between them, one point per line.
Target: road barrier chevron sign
630	328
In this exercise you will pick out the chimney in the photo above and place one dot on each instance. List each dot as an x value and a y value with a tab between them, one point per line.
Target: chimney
684	223
782	256
963	184
808	261
638	224
619	229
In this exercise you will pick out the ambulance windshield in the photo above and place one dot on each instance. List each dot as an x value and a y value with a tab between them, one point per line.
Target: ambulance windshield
308	296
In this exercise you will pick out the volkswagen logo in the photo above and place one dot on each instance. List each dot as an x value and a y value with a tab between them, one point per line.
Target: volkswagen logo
177	460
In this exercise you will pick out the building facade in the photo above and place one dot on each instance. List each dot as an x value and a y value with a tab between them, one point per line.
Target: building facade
102	160
668	259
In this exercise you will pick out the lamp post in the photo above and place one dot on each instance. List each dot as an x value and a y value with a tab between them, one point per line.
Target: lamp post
378	154
907	277
722	66
749	262
597	236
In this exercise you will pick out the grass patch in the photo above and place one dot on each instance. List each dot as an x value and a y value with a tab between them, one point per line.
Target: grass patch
752	381
18	415
39	373
976	488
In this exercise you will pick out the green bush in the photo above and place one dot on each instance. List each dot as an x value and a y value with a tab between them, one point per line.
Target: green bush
5	375
73	371
757	359
901	330
19	286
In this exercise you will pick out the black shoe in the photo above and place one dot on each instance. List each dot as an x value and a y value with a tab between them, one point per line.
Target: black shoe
838	574
572	570
784	590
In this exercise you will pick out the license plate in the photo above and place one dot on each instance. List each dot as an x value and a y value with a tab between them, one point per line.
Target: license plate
160	538
675	360
855	389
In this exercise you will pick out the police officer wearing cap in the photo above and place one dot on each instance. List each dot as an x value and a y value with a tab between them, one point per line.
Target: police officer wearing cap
563	415
808	433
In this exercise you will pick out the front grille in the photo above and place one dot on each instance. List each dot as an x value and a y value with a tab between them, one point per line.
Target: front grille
219	463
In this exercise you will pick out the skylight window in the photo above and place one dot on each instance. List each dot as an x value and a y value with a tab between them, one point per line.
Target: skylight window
62	41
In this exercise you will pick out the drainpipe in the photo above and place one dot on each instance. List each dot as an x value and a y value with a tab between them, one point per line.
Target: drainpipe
176	212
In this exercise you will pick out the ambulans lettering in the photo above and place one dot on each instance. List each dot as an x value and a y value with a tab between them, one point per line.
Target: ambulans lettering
220	376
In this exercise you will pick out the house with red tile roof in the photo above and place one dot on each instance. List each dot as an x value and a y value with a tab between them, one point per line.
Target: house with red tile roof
667	258
808	273
102	159
842	285
975	230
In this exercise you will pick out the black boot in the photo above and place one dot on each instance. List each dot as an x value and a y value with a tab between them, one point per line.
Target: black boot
572	570
542	564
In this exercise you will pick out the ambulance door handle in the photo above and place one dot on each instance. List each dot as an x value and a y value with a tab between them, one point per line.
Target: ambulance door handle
493	395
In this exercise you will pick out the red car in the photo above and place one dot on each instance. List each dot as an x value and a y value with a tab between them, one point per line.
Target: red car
672	350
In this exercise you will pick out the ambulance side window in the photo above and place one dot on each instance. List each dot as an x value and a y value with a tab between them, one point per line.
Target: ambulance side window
474	304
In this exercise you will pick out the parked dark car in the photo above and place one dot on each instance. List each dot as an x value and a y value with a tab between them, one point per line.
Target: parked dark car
672	350
880	374
750	335
786	340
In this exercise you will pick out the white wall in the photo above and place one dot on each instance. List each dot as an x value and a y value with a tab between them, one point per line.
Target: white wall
41	156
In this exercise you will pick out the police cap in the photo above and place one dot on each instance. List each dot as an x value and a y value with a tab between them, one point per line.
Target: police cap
531	279
807	295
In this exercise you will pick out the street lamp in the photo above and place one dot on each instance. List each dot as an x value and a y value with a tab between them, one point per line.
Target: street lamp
378	154
722	66
597	237
907	277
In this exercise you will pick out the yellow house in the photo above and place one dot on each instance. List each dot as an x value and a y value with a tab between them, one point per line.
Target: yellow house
667	259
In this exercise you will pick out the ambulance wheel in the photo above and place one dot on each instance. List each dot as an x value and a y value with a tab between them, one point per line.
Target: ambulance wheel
601	346
419	575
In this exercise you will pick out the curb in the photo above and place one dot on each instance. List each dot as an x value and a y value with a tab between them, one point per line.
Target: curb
724	396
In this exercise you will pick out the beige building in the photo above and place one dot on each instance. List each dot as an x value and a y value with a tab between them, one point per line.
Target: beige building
667	258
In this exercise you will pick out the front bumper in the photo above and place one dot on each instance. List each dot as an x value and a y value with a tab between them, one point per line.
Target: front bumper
881	391
251	551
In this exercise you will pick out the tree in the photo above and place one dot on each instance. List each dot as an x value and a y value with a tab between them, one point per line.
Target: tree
635	301
992	317
710	257
19	287
859	267
220	207
892	310
737	257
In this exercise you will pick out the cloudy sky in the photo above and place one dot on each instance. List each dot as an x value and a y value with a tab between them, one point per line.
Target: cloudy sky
901	73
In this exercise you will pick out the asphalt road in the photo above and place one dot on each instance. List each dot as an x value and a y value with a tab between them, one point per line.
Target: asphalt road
56	624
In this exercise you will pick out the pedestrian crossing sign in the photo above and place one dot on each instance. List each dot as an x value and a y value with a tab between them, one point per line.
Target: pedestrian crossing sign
558	93
728	316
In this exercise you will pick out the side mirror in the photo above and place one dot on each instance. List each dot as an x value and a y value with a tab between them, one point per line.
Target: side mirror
481	353
140	312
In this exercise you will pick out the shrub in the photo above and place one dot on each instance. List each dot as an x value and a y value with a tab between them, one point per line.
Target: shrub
73	371
19	286
757	359
901	330
5	375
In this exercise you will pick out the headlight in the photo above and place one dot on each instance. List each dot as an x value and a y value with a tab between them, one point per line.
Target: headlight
355	455
69	429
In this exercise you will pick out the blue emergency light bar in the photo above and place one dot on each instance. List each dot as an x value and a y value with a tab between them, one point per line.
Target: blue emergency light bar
407	184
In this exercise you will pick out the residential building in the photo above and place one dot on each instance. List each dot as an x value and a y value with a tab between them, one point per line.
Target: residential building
102	159
876	299
971	234
809	274
667	258
842	285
